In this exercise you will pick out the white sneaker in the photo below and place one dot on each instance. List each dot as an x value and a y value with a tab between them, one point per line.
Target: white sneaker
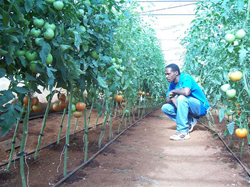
180	136
192	124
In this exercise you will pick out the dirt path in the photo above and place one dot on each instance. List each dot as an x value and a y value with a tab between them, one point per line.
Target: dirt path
144	156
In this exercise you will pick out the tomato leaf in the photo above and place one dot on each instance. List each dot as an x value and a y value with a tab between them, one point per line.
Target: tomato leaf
2	72
6	17
29	77
3	52
41	8
102	82
225	132
243	53
240	5
44	52
6	96
230	48
8	118
21	90
230	127
222	113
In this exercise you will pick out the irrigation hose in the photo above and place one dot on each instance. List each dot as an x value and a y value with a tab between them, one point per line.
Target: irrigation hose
228	148
98	152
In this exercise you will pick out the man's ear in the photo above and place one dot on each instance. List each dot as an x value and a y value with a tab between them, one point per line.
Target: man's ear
176	73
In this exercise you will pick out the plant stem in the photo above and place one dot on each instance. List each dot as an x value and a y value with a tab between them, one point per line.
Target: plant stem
86	135
14	139
103	129
110	121
61	126
76	122
118	130
23	143
68	131
43	125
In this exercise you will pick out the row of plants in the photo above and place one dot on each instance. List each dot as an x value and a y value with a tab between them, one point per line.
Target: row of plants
217	44
94	50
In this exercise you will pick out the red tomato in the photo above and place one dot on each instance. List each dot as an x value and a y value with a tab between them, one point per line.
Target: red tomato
26	100
36	108
56	107
118	98
123	104
61	97
35	101
62	104
80	106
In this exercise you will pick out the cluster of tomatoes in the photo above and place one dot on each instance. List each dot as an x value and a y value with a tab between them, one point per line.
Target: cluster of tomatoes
76	108
147	94
35	106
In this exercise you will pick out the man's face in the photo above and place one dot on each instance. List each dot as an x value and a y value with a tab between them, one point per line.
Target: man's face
170	75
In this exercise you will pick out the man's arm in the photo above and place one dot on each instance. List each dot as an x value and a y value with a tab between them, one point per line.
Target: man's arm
183	91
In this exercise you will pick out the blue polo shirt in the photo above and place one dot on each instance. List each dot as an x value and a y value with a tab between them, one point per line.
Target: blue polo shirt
196	92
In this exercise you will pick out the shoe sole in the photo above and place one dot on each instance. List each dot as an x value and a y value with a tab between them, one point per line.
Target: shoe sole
179	139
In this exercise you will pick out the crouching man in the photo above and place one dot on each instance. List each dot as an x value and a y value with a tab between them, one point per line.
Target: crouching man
185	102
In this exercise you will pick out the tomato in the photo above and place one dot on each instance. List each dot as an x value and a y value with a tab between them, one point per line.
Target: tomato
26	100
36	108
237	105
50	26
133	59
235	76
147	94
241	133
38	40
143	93
20	53
119	60
123	104
122	68
73	107
50	1
87	2
80	12
58	5
113	60
117	66
61	97
118	98
67	100
229	38
35	101
127	111
151	98
49	59
239	112
38	22
139	92
49	34
80	106
225	87
77	114
94	55
32	66
231	93
240	34
228	112
30	55
35	32
56	107
62	104
82	28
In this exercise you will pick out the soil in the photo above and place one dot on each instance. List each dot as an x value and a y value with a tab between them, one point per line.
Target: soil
142	156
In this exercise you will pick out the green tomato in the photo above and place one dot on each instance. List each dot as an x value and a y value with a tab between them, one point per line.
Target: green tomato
119	60
117	66
35	32
87	2
49	59
38	40
82	28
38	22
49	34
94	55
240	34
50	26
225	87
50	1
122	68
127	111
73	107
231	93
32	66
30	56
80	12
229	38
20	53
133	59
58	5
113	60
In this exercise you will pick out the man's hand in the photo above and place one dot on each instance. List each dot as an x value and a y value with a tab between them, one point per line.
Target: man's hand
171	94
174	101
